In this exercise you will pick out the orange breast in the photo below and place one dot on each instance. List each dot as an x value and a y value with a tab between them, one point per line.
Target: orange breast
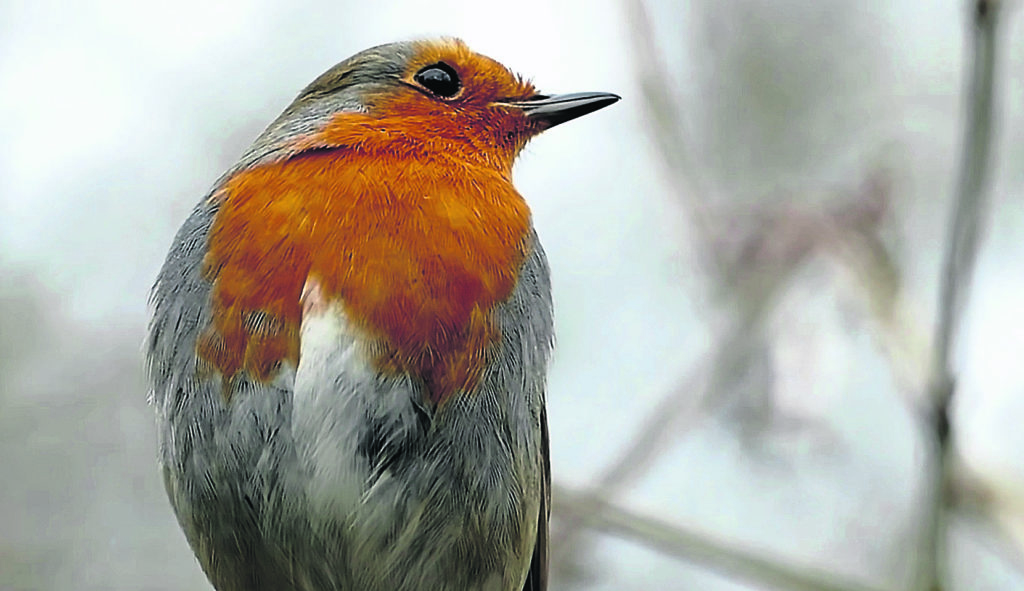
418	250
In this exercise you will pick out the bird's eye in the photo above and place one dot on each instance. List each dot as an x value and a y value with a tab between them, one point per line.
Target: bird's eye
440	79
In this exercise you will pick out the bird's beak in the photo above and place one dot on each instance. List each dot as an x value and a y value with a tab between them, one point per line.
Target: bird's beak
552	110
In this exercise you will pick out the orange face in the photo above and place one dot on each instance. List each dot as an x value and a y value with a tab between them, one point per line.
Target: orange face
446	99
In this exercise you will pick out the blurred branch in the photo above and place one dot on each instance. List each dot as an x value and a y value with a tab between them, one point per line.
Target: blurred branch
970	210
688	544
993	508
669	131
897	331
851	236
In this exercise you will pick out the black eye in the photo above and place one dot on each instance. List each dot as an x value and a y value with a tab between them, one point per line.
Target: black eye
440	79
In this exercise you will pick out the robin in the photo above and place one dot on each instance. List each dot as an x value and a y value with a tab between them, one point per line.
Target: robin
350	337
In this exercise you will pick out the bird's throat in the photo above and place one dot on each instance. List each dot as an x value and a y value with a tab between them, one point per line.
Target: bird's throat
418	251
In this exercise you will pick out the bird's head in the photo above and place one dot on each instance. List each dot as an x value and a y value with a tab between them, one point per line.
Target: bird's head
435	95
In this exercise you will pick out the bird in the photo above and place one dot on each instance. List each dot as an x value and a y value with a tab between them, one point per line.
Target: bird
349	337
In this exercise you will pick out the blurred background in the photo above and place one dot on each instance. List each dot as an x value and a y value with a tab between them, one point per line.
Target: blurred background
745	250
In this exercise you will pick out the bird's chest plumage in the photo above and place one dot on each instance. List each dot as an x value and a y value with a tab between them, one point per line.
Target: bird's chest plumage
418	259
363	416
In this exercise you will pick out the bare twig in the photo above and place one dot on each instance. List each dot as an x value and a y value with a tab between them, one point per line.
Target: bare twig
689	544
970	210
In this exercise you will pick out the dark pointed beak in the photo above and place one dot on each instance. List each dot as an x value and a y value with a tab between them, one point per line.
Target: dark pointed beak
553	110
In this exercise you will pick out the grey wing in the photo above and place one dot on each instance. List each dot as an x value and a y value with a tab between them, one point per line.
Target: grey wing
537	275
537	578
220	461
